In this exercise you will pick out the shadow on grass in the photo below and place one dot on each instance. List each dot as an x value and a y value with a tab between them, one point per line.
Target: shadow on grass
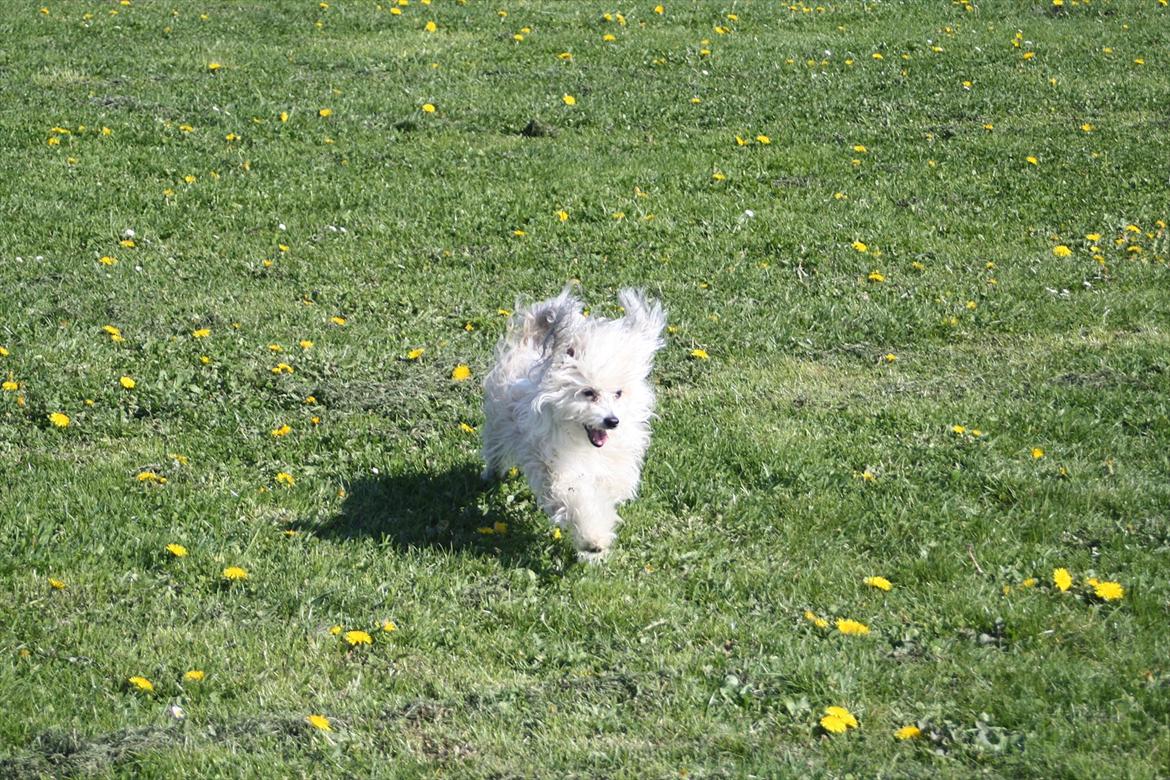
447	510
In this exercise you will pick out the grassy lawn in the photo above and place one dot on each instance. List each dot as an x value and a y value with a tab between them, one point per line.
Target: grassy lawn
915	259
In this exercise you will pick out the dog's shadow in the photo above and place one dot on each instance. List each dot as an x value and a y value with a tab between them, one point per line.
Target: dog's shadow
452	510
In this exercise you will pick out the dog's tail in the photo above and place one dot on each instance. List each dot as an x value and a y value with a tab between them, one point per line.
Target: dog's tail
543	325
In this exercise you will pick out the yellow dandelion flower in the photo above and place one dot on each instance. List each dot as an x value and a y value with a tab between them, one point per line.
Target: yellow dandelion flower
56	584
194	675
815	619
283	116
141	684
563	215
282	368
881	583
388	626
201	333
338	320
415	354
658	9
431	27
890	357
838	720
177	550
355	638
763	139
719	176
1061	579
235	574
1060	250
610	38
320	722
461	373
108	260
325	113
283	430
569	100
127	382
1108	591
860	246
59	419
4	352
851	627
876	276
1037	453
466	428
213	66
566	56
907	732
428	108
9	386
305	344
284	478
1031	160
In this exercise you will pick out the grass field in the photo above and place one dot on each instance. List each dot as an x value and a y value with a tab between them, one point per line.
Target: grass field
915	259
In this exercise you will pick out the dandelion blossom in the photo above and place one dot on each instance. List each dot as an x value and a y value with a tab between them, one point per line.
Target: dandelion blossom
415	354
1060	250
816	620
428	108
195	675
1061	579
851	627
355	638
907	732
177	550
319	722
141	684
1108	591
56	584
284	478
235	574
860	246
838	720
569	100
388	626
59	419
700	354
325	113
881	583
127	382
461	373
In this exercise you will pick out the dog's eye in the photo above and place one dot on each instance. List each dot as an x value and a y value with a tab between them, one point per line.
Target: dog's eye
618	394
589	394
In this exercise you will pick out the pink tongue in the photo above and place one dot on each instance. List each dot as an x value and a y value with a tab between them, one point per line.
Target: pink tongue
596	437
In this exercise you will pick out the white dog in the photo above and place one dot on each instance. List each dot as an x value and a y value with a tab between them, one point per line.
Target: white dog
569	402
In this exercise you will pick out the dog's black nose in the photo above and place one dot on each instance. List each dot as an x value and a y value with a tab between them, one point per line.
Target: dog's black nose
593	548
610	422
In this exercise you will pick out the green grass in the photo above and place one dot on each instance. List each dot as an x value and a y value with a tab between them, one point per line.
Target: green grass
792	464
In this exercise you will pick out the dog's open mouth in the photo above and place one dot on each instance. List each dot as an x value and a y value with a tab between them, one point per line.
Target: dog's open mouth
597	436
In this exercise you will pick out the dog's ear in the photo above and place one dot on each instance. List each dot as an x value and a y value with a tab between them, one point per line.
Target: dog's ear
553	323
644	319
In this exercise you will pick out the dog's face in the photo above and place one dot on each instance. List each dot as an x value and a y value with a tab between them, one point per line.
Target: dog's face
597	377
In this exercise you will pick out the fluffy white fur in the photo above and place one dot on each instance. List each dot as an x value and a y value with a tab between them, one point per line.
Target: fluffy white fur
569	402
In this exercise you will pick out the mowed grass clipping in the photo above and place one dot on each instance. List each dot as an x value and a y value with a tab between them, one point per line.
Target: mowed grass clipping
905	510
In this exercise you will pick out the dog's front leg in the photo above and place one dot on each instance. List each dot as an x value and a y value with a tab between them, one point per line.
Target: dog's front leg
590	518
